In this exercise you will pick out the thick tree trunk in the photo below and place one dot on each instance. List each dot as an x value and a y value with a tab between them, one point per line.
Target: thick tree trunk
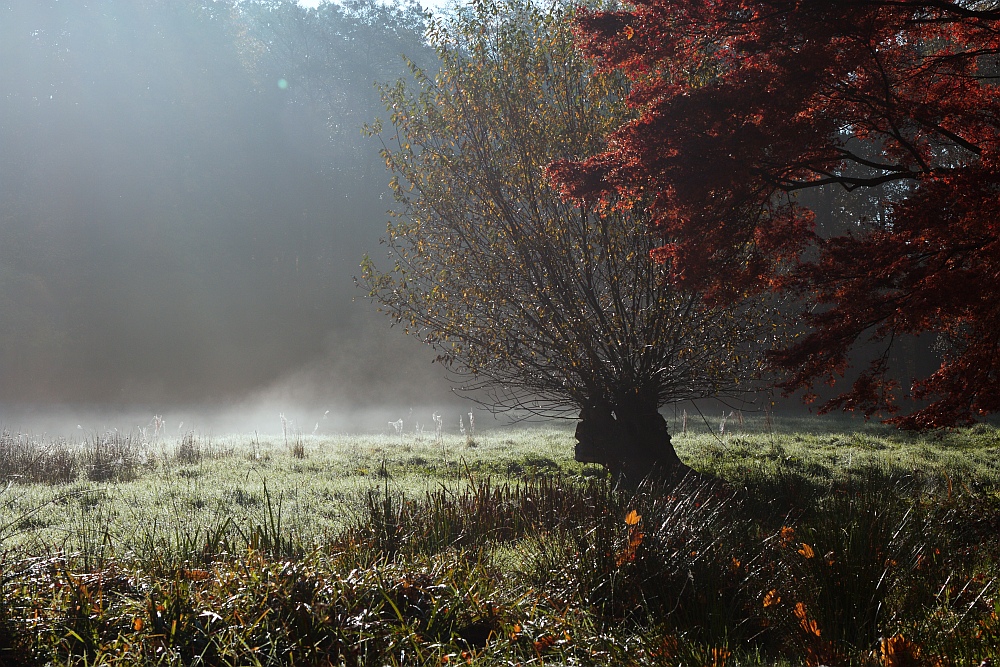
628	438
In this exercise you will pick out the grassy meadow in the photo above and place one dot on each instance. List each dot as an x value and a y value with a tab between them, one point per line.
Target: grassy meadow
832	542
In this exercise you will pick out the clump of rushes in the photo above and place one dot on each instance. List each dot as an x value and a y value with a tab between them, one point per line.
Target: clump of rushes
115	456
298	449
25	459
188	449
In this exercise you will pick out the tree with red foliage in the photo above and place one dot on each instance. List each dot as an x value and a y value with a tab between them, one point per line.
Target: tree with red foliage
746	105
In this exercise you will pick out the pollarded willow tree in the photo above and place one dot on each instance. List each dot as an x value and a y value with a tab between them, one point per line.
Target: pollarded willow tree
537	303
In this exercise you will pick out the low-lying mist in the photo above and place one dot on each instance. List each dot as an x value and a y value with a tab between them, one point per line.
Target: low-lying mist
78	422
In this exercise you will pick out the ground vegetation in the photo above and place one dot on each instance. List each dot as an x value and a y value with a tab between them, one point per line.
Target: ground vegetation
846	545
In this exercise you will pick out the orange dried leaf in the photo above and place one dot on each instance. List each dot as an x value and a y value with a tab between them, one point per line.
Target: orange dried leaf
898	651
544	642
720	656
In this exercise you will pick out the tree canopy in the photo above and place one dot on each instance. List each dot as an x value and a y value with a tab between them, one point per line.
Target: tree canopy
546	305
743	106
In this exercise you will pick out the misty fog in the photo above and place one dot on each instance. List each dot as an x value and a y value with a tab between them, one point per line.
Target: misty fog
185	196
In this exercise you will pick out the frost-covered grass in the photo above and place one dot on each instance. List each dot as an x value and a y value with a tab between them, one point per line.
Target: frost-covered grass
819	448
154	496
835	542
170	493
